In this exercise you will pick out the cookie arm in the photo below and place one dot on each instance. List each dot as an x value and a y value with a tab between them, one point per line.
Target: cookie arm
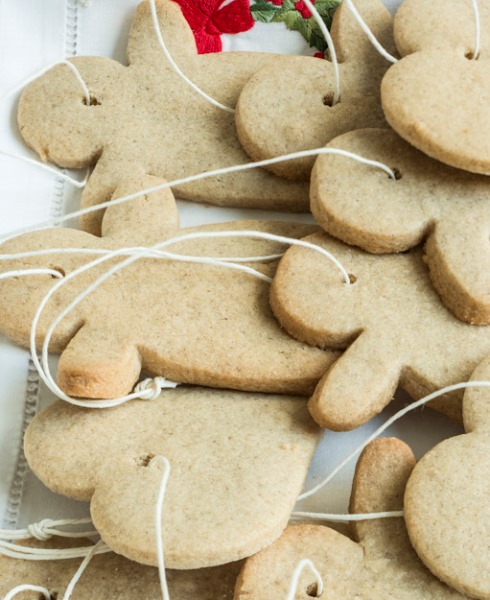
98	363
357	387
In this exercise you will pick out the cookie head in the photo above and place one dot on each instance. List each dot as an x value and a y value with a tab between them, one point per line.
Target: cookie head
427	201
220	505
289	107
437	95
446	500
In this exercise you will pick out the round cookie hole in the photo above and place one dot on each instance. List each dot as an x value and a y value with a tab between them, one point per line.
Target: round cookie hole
352	278
470	55
312	590
328	100
144	460
60	270
398	173
92	101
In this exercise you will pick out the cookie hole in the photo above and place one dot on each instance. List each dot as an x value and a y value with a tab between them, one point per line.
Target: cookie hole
144	460
312	590
60	270
92	101
397	173
53	595
471	55
328	100
352	278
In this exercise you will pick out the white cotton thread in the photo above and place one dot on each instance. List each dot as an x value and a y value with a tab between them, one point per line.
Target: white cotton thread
81	569
331	47
25	272
476	11
44	70
46	529
301	566
364	26
347	518
158	523
35	554
401	413
199	177
32	161
176	68
150	389
27	588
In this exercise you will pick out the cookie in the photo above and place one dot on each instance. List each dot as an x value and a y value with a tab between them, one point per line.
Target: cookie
429	201
436	96
286	107
238	463
112	576
391	322
446	500
145	117
189	322
379	564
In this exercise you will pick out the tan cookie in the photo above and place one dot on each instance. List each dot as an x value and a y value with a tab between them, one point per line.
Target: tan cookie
238	464
436	97
447	507
449	208
380	564
146	117
391	322
110	576
190	322
286	107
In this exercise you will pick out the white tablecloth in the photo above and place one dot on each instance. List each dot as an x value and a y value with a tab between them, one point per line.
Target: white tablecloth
34	33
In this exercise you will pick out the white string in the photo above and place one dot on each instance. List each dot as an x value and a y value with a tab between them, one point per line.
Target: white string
74	182
176	68
24	272
46	529
331	48
201	176
36	554
401	413
158	523
369	33
476	10
92	552
306	562
28	588
44	70
347	518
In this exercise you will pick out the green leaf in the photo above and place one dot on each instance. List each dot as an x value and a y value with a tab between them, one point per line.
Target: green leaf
289	17
288	5
317	40
304	27
264	11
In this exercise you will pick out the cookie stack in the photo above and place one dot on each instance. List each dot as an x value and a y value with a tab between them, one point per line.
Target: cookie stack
237	431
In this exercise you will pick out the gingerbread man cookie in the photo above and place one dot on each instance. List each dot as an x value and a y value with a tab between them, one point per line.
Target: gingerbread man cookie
392	323
238	462
436	96
428	201
380	564
447	510
145	117
286	107
189	322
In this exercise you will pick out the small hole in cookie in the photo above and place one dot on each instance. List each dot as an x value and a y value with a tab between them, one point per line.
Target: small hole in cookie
471	55
144	460
397	173
328	100
352	278
312	590
60	270
92	101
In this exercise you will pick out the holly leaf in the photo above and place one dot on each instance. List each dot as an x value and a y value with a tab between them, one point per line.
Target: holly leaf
264	11
289	17
317	40
305	28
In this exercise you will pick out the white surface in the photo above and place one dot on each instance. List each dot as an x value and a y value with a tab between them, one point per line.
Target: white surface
32	34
